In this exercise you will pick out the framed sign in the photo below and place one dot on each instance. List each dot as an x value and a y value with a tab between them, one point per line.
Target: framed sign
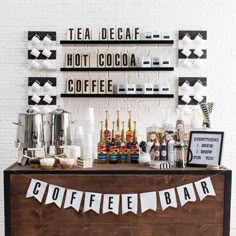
206	148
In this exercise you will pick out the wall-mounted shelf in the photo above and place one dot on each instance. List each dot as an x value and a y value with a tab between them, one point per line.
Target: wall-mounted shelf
119	69
138	42
118	95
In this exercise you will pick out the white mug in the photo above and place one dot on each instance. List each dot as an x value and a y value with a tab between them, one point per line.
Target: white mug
46	64
186	63
47	53
47	40
35	64
46	110
36	98
35	52
186	52
35	40
35	108
198	52
198	98
197	63
185	86
47	86
198	39
186	99
186	39
47	99
198	85
36	86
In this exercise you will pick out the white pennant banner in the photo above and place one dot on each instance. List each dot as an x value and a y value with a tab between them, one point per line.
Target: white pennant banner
168	198
186	194
148	201
36	189
73	199
92	202
111	203
205	188
55	195
130	203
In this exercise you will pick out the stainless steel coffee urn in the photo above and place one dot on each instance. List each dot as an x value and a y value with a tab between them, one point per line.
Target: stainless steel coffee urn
30	133
60	126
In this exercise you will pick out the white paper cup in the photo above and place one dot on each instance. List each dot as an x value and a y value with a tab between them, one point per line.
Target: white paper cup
35	98
47	40
35	64
198	98
198	52
47	99
186	99
186	39
47	53
35	52
47	86
36	40
36	86
186	63
186	52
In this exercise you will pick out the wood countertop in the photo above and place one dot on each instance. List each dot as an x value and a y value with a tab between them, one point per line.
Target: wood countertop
113	169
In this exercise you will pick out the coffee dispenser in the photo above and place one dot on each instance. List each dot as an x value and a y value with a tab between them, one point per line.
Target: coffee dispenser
60	126
30	133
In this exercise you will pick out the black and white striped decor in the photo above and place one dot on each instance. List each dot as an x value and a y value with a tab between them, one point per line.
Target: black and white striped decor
192	92
41	93
41	47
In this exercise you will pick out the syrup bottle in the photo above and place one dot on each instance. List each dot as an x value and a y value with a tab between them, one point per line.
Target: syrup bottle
102	153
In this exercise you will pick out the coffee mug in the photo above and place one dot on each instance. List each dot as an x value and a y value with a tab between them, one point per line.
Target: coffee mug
47	53
46	110
186	52
47	86
47	99
186	63
47	40
198	98
35	108
35	40
36	98
46	64
198	52
36	86
198	39
185	86
186	39
186	99
35	64
198	85
35	52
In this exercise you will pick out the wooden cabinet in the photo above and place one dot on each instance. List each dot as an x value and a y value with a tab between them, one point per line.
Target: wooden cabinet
28	217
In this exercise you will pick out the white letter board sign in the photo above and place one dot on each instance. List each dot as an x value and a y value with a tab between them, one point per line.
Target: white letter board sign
206	148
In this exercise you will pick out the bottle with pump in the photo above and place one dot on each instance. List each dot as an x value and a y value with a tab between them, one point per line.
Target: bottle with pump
118	132
129	133
107	132
113	154
134	153
123	155
102	153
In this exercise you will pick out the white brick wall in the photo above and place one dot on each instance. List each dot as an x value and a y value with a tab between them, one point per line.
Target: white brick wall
217	17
